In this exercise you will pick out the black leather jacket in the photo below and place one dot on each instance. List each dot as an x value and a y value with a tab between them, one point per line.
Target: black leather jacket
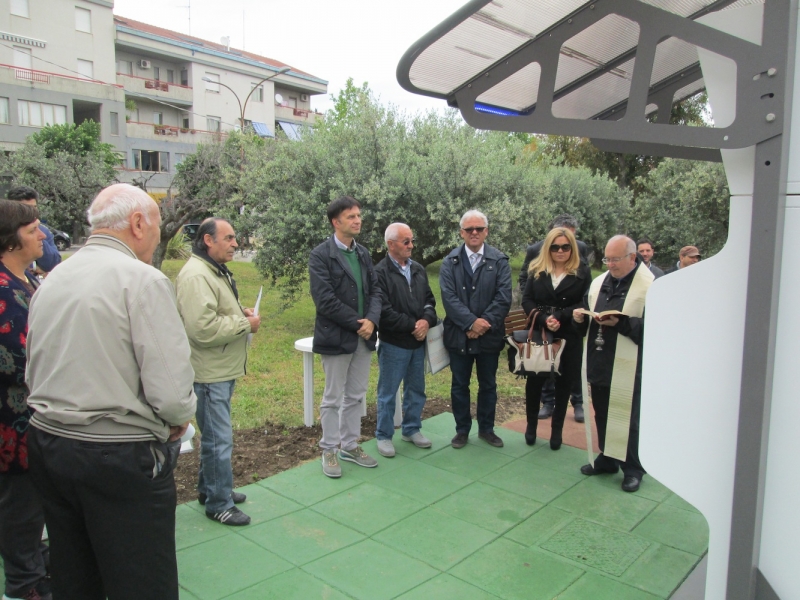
404	304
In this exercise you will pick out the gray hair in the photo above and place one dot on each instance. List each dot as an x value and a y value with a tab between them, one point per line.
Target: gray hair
630	245
471	214
391	231
564	220
114	205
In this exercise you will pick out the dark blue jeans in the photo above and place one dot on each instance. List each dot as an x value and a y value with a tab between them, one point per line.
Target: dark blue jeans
486	370
400	365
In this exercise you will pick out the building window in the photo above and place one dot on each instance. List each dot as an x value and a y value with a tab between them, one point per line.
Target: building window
214	124
83	20
184	77
158	118
292	102
125	67
20	8
23	58
257	95
114	123
157	73
86	68
170	76
186	123
151	160
212	85
37	114
4	117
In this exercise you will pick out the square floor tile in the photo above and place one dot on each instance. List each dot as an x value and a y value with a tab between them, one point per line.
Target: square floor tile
422	482
291	585
470	461
185	595
488	507
660	570
567	460
650	488
443	424
525	478
447	587
539	526
301	537
192	527
513	442
678	502
675	527
435	538
513	572
263	504
367	508
220	567
611	507
306	484
597	587
385	465
409	450
371	571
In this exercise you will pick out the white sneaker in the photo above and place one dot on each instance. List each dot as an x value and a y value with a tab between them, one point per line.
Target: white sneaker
419	440
386	448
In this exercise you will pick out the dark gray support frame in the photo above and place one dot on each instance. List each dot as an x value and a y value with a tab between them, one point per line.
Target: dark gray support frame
764	107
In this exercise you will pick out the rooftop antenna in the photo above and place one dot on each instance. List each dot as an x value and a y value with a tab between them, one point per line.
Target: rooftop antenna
243	45
189	6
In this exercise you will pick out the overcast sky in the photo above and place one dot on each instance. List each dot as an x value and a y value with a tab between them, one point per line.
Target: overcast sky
331	39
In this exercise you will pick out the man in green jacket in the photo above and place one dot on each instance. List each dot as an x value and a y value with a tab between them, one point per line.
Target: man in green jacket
217	327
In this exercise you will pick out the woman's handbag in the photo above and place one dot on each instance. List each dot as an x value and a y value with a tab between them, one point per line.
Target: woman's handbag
532	352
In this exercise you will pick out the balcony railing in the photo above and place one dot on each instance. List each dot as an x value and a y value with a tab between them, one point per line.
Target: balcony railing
47	77
156	87
186	135
29	75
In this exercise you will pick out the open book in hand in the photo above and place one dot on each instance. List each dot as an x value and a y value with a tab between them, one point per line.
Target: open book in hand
601	316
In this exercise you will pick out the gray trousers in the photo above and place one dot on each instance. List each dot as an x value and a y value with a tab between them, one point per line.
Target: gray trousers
346	380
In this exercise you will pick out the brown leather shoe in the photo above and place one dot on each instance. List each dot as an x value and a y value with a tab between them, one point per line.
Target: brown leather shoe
491	438
459	441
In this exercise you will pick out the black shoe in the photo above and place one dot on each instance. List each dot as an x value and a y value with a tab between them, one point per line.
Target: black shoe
590	470
235	496
546	411
530	435
231	516
490	438
555	440
630	483
578	413
459	441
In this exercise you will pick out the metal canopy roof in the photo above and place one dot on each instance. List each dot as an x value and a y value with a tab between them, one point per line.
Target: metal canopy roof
568	66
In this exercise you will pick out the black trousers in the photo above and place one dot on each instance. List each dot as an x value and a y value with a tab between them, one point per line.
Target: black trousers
533	395
631	467
21	525
110	521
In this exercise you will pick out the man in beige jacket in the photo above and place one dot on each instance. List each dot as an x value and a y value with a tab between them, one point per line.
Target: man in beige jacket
217	326
111	384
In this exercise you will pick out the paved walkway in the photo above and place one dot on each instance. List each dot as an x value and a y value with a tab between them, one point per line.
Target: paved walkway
515	522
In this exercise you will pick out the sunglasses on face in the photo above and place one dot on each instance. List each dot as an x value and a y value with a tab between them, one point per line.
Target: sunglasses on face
561	247
474	229
406	242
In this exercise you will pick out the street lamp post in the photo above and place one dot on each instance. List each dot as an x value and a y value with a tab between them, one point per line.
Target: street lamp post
243	107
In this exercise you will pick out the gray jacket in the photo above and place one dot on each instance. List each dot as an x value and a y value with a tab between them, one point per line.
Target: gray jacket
486	296
108	358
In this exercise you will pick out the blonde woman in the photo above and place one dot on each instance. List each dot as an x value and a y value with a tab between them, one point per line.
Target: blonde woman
557	282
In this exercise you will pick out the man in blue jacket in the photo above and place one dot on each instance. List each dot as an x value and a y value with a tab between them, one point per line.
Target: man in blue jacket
475	281
345	292
51	256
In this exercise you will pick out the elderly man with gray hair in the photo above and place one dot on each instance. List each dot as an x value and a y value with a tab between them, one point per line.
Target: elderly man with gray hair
475	280
111	386
407	311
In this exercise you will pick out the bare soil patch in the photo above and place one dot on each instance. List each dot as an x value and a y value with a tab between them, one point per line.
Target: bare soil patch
264	451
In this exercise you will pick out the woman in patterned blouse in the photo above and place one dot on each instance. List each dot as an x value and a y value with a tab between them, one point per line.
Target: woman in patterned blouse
21	516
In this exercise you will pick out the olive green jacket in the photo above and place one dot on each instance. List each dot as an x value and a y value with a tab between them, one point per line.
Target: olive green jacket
214	322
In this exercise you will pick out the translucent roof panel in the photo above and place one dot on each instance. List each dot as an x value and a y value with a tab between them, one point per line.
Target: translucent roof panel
596	96
522	85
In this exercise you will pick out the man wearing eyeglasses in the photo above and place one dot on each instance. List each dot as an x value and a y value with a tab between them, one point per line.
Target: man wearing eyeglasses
407	312
475	281
614	359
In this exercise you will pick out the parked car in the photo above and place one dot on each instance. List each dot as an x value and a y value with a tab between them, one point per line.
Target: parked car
61	239
190	230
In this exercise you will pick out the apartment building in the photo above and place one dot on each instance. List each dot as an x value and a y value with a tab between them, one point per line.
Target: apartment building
157	93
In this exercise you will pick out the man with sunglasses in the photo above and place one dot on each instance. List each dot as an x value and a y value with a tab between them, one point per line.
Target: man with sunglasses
407	312
475	281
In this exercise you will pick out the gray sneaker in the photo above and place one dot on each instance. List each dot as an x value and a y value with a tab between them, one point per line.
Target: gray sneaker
386	448
358	456
419	440
330	464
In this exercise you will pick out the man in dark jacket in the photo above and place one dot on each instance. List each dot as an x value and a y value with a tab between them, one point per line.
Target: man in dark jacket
345	292
475	281
645	249
409	309
614	359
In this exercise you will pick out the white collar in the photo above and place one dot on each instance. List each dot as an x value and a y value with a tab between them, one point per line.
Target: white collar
470	252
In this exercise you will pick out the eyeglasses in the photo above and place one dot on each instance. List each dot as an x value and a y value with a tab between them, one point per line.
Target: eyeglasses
474	229
405	242
563	248
614	259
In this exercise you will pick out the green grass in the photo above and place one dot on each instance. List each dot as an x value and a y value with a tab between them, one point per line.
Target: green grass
272	390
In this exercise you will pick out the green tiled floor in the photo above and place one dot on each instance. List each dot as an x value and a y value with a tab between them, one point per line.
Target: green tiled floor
475	523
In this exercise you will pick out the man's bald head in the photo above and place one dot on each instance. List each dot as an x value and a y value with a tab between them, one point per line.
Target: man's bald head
620	256
114	205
